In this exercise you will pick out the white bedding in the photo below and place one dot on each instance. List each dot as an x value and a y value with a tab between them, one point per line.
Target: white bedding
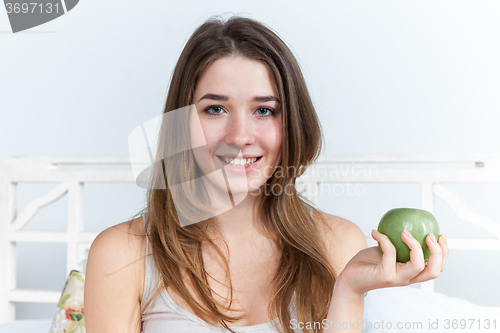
404	306
436	312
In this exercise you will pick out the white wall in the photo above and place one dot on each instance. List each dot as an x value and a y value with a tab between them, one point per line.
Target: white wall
385	76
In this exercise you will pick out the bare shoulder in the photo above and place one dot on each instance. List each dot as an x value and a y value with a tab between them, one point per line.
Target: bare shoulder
343	239
121	243
114	278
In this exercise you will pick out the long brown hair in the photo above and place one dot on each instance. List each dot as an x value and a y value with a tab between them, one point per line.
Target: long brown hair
302	267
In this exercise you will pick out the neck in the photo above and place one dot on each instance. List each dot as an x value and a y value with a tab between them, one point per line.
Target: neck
240	223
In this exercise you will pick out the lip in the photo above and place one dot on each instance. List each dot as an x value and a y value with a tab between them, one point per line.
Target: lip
235	156
239	170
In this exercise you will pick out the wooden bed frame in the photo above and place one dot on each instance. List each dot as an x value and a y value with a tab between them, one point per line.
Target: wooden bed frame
14	170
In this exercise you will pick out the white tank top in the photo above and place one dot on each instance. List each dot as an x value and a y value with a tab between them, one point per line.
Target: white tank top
164	315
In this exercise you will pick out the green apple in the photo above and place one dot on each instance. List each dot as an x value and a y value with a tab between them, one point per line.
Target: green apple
418	222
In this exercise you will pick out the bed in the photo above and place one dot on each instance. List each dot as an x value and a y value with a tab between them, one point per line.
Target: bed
401	307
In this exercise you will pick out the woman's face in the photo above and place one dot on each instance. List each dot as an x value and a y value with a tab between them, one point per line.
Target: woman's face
240	115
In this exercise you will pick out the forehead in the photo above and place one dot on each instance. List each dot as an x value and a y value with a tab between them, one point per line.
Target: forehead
237	76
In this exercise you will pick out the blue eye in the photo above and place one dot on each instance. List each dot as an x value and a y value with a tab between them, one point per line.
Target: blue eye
269	113
213	107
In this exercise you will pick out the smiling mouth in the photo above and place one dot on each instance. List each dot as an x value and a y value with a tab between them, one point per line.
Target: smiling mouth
239	162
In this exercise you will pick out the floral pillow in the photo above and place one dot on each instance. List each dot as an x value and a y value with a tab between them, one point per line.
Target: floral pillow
69	317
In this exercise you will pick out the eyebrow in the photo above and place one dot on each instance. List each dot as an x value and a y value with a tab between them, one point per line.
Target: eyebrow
225	98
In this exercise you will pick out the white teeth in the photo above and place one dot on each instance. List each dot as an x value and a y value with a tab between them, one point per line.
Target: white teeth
239	162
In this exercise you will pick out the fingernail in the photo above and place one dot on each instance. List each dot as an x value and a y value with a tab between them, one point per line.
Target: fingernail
444	239
376	231
433	238
407	233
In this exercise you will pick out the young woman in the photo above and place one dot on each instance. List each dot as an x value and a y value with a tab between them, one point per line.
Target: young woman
268	258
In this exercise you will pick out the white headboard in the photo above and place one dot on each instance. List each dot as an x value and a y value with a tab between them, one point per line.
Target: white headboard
15	170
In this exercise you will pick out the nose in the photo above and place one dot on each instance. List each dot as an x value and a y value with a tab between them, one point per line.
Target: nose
240	130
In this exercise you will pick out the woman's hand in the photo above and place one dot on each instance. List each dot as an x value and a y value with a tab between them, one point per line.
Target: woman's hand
370	269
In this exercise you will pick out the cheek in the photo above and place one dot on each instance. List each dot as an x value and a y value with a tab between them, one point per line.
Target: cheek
211	130
198	140
271	138
196	132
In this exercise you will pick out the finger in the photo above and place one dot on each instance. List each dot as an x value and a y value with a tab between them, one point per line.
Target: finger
389	255
416	263
433	268
444	248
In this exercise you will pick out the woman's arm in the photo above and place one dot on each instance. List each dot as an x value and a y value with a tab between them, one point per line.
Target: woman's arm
113	287
343	241
346	310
